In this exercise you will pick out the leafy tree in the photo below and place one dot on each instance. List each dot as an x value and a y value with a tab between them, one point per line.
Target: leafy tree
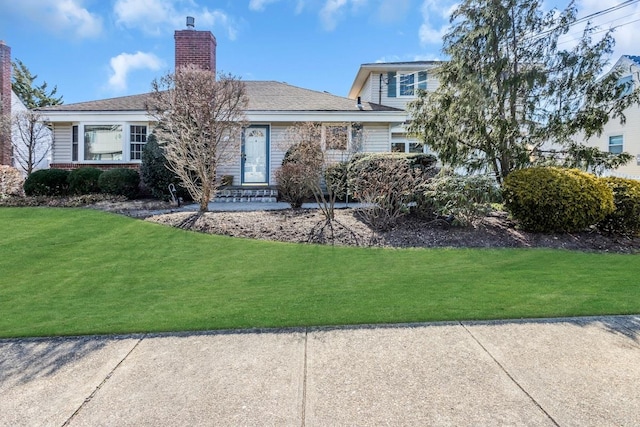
200	122
32	96
509	88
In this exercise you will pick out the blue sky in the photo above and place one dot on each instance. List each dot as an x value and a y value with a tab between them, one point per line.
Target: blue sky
94	49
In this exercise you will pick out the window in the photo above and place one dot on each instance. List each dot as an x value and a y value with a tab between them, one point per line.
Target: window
137	140
615	144
336	137
627	85
405	84
407	147
74	143
103	142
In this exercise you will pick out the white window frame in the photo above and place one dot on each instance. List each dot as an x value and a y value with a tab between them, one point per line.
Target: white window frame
416	82
407	146
126	141
621	145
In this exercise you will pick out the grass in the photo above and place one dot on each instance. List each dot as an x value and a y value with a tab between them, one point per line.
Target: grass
77	271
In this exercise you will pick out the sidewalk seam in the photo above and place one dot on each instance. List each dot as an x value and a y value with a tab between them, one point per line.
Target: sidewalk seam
104	381
509	375
304	379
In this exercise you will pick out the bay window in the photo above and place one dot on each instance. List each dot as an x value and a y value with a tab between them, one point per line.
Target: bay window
112	142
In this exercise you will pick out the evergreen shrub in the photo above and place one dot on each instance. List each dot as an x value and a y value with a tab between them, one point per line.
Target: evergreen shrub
625	219
84	181
550	199
47	182
120	182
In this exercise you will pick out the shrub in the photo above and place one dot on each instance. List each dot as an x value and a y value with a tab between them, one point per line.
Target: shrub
625	219
120	181
388	183
335	178
155	174
292	187
84	181
556	200
47	182
11	182
464	197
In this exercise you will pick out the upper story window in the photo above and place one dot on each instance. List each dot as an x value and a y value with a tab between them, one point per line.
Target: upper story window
627	85
615	144
407	84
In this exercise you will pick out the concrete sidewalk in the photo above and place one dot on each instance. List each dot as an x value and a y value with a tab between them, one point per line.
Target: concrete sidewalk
560	372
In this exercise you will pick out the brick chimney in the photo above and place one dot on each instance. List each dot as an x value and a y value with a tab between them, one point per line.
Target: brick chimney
5	103
195	47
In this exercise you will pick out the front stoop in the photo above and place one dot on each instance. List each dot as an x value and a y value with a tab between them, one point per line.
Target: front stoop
240	195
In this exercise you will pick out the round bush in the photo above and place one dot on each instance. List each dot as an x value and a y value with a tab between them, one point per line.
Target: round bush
120	181
84	181
548	199
292	187
47	182
625	219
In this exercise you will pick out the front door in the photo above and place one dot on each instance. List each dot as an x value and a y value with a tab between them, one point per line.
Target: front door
255	149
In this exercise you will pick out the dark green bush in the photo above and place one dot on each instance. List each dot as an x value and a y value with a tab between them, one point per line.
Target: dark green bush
84	181
155	174
120	181
548	199
47	182
625	219
335	178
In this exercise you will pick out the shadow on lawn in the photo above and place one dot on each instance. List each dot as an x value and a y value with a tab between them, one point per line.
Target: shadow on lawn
25	360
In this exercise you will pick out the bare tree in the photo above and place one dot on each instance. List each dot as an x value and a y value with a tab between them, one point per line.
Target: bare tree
200	123
31	139
321	153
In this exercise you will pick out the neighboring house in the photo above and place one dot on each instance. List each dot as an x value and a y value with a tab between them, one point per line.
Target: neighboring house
42	133
112	132
394	84
616	137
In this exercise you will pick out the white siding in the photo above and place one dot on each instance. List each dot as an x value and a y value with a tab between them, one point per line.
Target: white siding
372	88
630	140
278	147
376	138
61	148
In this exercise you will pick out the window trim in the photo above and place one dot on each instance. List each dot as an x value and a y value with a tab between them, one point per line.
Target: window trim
126	141
395	85
621	144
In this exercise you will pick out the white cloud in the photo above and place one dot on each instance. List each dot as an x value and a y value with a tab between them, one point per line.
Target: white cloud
124	63
259	5
157	17
435	24
334	10
61	16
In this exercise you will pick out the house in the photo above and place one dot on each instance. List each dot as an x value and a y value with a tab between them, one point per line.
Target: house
112	132
13	149
394	84
616	137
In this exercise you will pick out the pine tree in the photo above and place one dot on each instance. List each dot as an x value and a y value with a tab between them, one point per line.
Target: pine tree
511	87
31	95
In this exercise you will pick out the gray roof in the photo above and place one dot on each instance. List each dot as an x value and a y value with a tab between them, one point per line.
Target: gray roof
263	96
634	58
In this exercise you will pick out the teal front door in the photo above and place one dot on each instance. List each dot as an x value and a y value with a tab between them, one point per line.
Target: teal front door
255	155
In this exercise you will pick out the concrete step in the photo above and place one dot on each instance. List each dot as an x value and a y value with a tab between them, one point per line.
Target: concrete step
239	195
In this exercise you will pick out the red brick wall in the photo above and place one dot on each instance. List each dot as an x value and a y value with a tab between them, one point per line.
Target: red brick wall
5	105
103	166
197	48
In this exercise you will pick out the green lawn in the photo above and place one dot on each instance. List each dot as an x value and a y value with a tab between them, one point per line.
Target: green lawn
77	271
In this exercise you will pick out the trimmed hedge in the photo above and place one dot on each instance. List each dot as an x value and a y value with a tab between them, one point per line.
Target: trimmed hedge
625	220
120	181
47	182
84	181
550	199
